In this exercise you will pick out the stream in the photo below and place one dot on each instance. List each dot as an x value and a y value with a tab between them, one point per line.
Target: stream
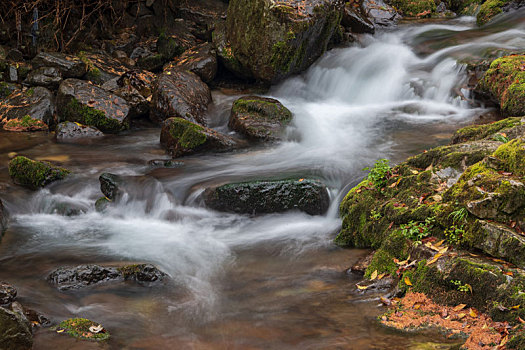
237	281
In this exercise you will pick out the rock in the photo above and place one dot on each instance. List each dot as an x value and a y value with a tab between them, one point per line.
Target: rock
87	275
380	13
69	66
11	74
80	328
486	131
263	197
180	94
151	62
259	118
101	67
138	104
36	108
504	82
169	47
225	54
84	103
275	40
204	13
7	293
34	174
15	55
7	89
138	80
419	8
165	163
101	204
489	9
201	60
16	331
69	132
4	219
48	77
181	137
356	20
362	264
110	185
67	209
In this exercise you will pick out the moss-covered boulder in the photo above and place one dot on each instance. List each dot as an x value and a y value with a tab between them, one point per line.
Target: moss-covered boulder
415	8
503	127
15	330
29	110
101	67
259	117
274	40
34	174
181	137
83	329
491	8
178	93
262	197
69	66
84	103
504	82
4	218
201	60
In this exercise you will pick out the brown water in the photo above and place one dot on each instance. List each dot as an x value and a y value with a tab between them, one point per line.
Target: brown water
238	282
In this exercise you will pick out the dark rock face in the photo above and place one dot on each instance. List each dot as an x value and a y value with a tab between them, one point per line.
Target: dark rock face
138	104
356	20
101	67
381	14
7	89
201	60
262	197
36	111
181	137
16	330
165	163
4	218
85	103
48	77
259	118
274	41
69	132
69	66
87	275
180	94
110	185
34	174
7	293
203	13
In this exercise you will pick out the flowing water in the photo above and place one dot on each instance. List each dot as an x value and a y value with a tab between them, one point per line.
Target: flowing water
237	281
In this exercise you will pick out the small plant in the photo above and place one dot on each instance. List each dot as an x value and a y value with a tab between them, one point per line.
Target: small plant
454	234
416	231
375	215
500	137
379	173
459	215
462	287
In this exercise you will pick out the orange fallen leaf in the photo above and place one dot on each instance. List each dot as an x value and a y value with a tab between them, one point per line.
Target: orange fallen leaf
381	276
460	316
60	331
407	281
434	259
516	307
473	313
459	307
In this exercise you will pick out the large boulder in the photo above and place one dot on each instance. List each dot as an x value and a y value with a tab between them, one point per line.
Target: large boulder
69	66
180	94
123	87
71	132
15	330
34	174
355	19
420	8
101	67
82	102
380	13
181	137
201	60
275	40
48	77
504	82
29	110
259	117
65	278
7	293
4	218
262	197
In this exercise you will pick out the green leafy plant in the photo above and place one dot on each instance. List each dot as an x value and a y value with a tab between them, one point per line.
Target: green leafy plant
416	231
375	215
462	287
455	232
459	215
500	137
379	173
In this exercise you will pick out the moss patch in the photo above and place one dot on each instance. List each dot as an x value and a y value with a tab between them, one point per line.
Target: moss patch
78	112
489	9
79	328
34	174
187	134
478	132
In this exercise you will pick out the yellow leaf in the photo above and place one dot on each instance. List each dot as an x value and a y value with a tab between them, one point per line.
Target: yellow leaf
415	172
361	287
439	243
460	316
516	307
381	276
473	313
459	307
407	281
443	251
373	276
434	259
301	180
470	288
60	331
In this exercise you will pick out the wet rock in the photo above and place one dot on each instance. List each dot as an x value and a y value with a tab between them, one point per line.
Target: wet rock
82	276
48	77
7	293
81	328
11	74
201	60
67	209
203	13
362	264
7	89
84	103
151	62
16	330
181	137
225	54
165	163
356	20
259	117
138	80
380	13
422	8
180	94
110	185
262	197
169	47
69	66
101	67
275	40
15	72
102	204
34	174
4	218
35	110
69	132
487	131
138	104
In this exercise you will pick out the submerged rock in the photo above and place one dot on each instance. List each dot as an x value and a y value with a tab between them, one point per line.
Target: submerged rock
4	218
65	278
182	94
110	185
274	40
84	103
263	197
83	329
181	137
34	174
69	66
15	330
69	132
259	117
35	108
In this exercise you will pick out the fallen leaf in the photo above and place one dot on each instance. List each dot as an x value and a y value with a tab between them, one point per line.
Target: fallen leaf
385	301
459	307
415	172
515	307
469	287
391	224
381	276
434	259
301	180
473	313
460	316
443	251
60	331
407	281
521	320
508	273
373	276
361	287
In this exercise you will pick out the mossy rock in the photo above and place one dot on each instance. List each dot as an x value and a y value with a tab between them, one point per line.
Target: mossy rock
504	81
489	9
415	8
479	132
34	174
101	204
29	110
79	328
259	118
4	218
16	330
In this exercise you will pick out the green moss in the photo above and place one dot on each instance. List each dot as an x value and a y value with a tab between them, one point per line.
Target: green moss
30	92
80	113
478	132
489	9
34	174
513	154
261	108
25	122
414	7
102	203
187	134
79	328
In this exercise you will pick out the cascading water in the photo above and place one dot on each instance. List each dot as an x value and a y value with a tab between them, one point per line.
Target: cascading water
238	281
